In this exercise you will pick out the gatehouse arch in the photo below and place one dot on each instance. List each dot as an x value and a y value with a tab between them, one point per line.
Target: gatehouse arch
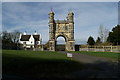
60	43
64	28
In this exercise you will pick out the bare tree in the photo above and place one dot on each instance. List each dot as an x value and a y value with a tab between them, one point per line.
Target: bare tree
10	40
15	36
106	33
103	33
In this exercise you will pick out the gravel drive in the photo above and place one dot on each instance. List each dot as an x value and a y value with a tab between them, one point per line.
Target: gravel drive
98	67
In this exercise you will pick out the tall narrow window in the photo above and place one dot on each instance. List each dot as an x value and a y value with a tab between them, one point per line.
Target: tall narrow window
65	27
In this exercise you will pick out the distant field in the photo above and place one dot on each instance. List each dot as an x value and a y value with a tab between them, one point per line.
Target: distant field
111	55
38	64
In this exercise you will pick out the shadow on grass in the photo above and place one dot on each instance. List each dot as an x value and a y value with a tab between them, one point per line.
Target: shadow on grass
20	68
100	70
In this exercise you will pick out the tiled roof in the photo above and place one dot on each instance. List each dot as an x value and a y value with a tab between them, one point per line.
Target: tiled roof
25	37
36	37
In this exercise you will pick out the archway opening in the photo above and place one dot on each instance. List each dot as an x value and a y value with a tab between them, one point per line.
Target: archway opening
60	43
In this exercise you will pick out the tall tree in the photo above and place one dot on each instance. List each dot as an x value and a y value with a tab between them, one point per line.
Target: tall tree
6	40
91	41
98	41
103	33
15	36
10	40
114	35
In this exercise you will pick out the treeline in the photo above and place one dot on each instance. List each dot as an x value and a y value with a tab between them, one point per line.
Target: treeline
106	37
10	40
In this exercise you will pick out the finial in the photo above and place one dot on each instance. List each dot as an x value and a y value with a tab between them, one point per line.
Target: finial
51	9
25	33
35	33
70	10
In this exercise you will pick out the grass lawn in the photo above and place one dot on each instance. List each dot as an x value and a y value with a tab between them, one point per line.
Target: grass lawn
110	55
38	64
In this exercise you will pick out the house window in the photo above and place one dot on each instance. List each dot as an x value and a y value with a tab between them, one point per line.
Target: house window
31	41
37	42
24	43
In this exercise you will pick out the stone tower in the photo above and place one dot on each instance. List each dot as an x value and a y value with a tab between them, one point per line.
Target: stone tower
64	28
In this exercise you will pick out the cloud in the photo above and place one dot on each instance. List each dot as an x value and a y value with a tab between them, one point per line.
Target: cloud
33	16
0	17
60	0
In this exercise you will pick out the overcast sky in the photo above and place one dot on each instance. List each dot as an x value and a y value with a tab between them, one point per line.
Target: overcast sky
60	0
33	16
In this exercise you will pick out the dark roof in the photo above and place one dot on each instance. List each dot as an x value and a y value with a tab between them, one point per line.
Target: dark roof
25	37
36	37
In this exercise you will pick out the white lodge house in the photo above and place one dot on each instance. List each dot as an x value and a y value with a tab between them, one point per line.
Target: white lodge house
30	41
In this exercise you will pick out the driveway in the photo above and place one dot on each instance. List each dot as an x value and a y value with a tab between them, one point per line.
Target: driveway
90	59
97	67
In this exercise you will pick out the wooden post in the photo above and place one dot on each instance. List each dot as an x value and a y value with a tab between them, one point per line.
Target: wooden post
79	48
111	49
103	49
95	49
87	48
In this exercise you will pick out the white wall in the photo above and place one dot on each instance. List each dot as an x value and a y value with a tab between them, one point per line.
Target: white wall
31	41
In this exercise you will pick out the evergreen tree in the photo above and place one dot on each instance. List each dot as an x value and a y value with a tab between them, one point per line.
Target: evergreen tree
91	41
114	36
98	41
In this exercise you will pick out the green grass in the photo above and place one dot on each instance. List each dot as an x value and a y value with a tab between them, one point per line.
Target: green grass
38	64
110	55
34	54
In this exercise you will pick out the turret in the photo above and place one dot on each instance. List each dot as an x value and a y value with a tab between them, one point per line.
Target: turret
51	24
70	17
70	20
51	16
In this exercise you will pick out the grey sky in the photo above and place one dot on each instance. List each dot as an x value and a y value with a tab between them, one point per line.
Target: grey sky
32	16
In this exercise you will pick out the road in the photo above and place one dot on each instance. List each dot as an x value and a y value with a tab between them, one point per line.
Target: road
97	67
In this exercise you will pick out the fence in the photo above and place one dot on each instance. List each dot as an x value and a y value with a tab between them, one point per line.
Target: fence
100	48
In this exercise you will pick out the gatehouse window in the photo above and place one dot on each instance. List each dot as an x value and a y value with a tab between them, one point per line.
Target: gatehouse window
70	43
71	47
65	27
